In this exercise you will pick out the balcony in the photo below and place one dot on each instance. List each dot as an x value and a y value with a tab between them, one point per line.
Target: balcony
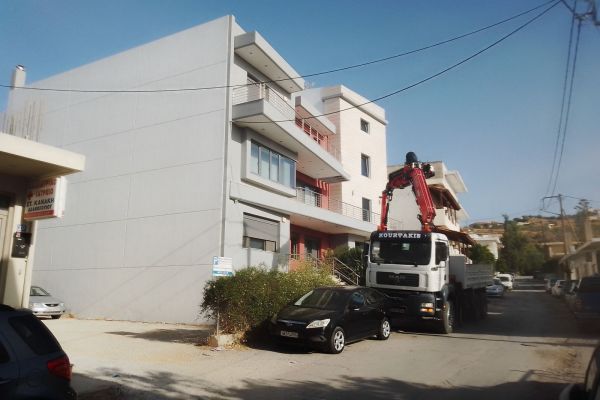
310	210
266	111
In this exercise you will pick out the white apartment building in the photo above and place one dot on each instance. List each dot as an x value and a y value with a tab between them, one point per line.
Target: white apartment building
444	187
246	170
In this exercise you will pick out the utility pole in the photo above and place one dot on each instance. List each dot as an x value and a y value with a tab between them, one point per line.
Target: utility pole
566	239
563	224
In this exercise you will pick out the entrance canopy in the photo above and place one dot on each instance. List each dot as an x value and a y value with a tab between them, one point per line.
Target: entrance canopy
28	159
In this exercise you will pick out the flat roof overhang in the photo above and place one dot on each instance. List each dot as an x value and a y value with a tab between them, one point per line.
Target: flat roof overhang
33	160
313	160
253	48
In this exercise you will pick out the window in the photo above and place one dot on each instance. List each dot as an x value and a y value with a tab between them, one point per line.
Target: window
365	165
364	125
366	209
272	165
260	233
34	334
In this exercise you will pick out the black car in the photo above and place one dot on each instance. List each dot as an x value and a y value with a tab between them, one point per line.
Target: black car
32	363
590	389
330	317
585	301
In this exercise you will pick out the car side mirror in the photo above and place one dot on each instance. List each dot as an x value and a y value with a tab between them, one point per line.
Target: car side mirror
356	304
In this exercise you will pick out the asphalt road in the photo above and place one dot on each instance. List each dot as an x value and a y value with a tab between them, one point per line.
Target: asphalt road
527	348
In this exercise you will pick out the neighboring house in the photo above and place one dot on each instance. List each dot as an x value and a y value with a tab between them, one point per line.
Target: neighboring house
25	164
584	261
444	187
492	242
247	171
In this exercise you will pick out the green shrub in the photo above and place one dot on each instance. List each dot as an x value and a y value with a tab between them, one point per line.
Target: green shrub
252	295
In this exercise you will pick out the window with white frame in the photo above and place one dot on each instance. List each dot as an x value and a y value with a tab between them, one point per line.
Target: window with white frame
364	126
271	165
365	165
366	209
260	233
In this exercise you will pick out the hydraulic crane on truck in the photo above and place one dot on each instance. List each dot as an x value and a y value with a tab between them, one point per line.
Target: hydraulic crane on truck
414	173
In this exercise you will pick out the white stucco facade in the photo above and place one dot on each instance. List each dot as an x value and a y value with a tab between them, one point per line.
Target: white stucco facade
172	178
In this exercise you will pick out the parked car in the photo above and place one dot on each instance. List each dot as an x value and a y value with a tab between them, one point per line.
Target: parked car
42	304
549	283
506	280
590	389
32	363
557	289
495	289
586	304
331	317
570	291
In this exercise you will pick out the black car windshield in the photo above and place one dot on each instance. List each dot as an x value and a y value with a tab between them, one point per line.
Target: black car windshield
325	299
38	291
401	252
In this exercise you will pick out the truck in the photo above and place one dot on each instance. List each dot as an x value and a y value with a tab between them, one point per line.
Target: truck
425	284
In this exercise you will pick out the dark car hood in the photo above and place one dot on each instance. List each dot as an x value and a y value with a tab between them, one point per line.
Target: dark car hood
304	314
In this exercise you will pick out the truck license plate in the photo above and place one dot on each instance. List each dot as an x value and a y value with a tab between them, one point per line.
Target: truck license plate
290	334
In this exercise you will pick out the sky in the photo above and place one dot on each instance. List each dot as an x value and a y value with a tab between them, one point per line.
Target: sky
494	118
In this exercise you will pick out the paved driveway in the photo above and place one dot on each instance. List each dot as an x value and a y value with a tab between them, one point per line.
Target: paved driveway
526	348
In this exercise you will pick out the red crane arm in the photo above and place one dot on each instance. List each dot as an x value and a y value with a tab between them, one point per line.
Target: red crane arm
413	173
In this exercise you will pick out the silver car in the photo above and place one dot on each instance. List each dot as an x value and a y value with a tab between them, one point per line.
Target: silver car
495	289
44	305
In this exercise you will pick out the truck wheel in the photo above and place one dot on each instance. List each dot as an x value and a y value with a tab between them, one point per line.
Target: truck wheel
384	329
446	325
484	306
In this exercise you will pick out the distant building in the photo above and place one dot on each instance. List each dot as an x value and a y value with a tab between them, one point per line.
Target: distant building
492	242
584	261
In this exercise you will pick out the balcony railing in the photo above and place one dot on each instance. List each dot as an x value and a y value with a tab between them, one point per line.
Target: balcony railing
315	199
262	91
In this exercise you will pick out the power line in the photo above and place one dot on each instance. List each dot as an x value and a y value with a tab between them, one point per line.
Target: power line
363	64
562	105
453	66
564	135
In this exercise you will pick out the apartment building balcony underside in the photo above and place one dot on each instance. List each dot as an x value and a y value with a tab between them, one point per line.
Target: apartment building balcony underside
301	214
264	118
253	48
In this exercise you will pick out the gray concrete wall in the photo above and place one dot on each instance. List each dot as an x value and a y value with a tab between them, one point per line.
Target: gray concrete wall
144	220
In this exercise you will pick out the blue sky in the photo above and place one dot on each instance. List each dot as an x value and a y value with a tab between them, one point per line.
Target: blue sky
494	119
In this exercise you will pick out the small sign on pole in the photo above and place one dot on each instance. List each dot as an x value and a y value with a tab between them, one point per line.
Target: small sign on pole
222	266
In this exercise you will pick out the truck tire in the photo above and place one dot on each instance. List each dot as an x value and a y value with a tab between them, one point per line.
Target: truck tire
446	324
484	305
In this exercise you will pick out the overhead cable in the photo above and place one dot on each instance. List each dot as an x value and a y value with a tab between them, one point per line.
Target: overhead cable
363	64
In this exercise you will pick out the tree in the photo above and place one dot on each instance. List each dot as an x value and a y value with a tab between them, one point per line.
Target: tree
518	253
583	212
480	254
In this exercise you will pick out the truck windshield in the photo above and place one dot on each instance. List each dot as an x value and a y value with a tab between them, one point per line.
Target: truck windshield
401	252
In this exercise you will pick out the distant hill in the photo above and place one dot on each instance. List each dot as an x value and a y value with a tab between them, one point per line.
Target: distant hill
539	228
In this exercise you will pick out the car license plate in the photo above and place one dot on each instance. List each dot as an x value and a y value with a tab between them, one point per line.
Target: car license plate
289	334
399	310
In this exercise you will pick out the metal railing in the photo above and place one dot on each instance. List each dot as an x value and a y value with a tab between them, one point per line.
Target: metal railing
336	267
315	199
262	91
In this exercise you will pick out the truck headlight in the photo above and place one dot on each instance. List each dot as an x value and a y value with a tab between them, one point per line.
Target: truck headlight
320	323
427	308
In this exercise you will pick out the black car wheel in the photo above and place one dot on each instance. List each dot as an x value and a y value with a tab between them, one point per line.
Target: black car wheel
384	329
337	341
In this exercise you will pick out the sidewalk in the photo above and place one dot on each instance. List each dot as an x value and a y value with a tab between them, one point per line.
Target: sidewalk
111	356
